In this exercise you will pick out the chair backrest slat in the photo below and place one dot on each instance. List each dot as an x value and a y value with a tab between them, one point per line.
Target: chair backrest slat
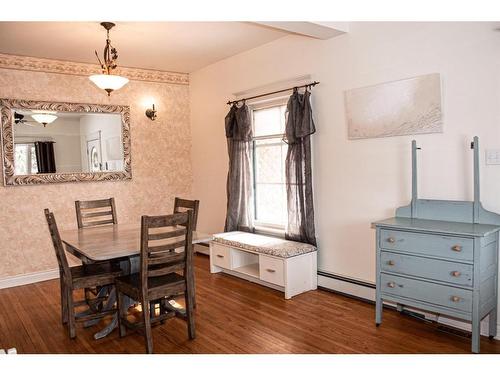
62	260
96	214
166	247
167	251
182	205
167	235
166	258
161	271
100	212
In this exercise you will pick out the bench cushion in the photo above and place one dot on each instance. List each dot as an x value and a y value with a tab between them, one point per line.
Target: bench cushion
277	247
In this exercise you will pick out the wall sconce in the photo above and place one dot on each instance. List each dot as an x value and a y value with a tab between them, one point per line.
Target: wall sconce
151	113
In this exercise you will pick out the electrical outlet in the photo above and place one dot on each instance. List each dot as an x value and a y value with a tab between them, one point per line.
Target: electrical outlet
492	157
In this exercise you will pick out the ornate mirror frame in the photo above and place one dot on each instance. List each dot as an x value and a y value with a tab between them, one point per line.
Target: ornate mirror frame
7	140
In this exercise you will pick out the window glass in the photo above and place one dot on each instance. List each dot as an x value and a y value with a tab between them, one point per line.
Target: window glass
269	121
269	167
25	159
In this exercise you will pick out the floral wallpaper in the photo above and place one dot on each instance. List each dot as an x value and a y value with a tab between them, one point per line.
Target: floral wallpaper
161	165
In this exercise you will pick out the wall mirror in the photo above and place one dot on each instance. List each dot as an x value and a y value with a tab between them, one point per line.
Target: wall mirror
47	142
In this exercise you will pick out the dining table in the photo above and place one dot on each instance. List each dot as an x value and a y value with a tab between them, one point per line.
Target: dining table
113	242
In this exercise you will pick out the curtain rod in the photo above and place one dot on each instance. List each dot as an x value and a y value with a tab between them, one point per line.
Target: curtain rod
312	84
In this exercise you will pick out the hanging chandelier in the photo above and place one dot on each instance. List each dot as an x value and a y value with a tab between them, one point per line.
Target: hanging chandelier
107	80
44	117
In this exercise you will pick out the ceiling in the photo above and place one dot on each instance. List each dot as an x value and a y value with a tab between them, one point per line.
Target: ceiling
170	46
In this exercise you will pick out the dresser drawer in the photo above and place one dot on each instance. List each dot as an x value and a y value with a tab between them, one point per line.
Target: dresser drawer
440	270
271	270
221	256
455	248
436	294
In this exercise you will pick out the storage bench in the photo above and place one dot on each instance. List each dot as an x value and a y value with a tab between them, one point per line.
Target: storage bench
288	266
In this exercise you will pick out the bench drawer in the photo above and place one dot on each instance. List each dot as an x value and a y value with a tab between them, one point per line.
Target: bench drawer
440	270
221	256
436	294
454	248
271	270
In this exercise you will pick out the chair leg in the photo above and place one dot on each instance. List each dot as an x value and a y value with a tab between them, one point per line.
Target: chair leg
189	300
122	313
194	292
163	307
64	303
147	325
71	313
152	309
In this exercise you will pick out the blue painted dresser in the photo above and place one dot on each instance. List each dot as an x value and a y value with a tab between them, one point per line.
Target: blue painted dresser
441	256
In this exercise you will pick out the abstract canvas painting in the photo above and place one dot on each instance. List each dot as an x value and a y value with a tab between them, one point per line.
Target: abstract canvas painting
408	106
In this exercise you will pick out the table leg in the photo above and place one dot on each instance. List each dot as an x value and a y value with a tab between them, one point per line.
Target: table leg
114	323
130	265
104	291
169	305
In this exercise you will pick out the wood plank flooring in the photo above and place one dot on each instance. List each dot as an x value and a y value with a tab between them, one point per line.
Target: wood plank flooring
232	316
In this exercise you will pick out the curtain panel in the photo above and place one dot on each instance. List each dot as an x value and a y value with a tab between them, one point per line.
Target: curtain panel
238	125
298	129
45	159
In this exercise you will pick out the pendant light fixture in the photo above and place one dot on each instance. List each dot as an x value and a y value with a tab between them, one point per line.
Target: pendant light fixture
108	81
44	117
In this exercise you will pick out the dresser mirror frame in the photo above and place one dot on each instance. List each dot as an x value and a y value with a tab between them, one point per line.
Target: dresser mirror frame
7	139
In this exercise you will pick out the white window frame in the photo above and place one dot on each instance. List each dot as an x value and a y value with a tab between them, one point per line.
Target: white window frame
259	226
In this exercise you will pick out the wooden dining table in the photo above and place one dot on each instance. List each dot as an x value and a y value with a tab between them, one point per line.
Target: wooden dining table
118	242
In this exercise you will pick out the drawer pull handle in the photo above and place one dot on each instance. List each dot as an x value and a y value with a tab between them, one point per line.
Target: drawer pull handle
391	284
455	299
456	273
270	270
391	240
457	248
391	263
220	256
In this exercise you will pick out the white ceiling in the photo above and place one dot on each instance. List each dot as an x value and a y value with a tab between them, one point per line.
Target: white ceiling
171	46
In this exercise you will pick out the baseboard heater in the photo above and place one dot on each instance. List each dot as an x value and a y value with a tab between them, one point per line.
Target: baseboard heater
350	287
359	285
347	279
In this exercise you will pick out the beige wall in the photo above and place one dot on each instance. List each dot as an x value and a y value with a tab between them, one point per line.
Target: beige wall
160	165
357	182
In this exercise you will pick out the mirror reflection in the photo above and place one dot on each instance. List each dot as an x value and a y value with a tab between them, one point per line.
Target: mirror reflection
66	142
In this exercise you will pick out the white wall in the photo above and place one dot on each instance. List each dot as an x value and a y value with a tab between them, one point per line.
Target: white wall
357	182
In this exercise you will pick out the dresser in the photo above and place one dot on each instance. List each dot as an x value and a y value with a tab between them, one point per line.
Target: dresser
440	256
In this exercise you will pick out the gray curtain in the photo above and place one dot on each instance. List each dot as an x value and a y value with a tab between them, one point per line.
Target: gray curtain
299	127
239	177
45	159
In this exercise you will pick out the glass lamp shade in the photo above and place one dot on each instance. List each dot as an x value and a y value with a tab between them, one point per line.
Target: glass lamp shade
44	118
108	82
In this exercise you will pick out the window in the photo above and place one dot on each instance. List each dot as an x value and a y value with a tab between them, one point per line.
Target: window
270	208
25	159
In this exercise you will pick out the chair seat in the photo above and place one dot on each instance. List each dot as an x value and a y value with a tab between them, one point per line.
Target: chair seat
158	287
92	275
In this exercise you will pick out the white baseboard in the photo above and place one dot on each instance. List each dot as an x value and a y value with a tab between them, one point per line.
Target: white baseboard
367	293
202	249
28	278
346	287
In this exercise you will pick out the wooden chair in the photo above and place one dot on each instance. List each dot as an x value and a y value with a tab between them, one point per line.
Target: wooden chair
97	212
78	277
158	276
182	205
94	213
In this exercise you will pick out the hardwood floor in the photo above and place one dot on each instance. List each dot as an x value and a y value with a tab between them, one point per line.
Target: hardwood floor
232	316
